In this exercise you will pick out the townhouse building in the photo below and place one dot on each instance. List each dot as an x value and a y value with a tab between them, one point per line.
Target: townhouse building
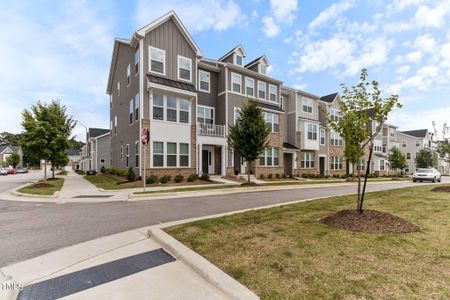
95	154
412	141
8	150
160	81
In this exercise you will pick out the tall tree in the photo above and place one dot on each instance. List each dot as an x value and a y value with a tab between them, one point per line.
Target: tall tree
13	160
7	138
362	105
47	128
397	159
424	159
249	136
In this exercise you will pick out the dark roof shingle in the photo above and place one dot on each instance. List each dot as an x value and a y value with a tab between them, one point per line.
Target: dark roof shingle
329	98
95	132
270	106
289	146
171	83
416	133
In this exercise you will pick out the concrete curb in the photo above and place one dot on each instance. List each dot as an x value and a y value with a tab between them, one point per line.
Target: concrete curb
8	293
19	194
202	266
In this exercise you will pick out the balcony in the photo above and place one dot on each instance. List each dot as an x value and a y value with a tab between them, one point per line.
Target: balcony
211	130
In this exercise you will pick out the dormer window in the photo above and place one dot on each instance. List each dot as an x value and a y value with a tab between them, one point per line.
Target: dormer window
262	69
238	59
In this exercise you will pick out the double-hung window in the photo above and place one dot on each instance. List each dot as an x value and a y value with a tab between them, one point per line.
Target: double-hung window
115	125
262	69
184	111
273	93
378	146
131	112
307	160
136	154
157	61
171	154
236	81
136	107
238	59
312	132
184	68
158	154
408	155
171	110
404	144
204	81
136	62
205	115
184	155
335	138
250	86
417	143
336	163
322	136
307	105
273	121
158	106
128	74
261	90
118	88
335	114
127	153
382	168
121	152
270	157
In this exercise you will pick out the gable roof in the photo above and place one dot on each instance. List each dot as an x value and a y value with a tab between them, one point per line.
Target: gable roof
12	147
140	33
95	132
329	98
256	60
417	133
232	51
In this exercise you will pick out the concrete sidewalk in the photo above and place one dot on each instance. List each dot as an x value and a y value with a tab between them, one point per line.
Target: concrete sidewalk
173	280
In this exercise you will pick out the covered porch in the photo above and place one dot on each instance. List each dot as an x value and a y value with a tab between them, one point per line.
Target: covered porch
212	149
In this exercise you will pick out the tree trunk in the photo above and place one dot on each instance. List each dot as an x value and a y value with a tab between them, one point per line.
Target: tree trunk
365	178
45	169
53	170
359	189
248	172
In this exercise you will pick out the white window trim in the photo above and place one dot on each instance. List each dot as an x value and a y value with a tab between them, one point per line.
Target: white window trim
232	83
131	113
316	131
309	159
150	60
236	111
260	69
137	154
209	81
137	62
138	102
304	101
115	125
178	154
164	120
209	107
272	156
235	55
178	68
324	137
253	86
265	90
118	88
276	93
128	75
272	120
121	153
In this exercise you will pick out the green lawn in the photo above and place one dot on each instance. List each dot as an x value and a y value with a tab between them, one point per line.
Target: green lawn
285	253
110	182
43	187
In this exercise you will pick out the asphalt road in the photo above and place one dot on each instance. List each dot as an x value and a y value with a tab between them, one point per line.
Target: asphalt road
11	181
30	229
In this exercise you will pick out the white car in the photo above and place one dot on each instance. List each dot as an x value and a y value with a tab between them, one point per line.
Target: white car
430	174
3	171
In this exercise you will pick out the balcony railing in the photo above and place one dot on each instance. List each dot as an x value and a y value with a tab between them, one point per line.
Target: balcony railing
211	130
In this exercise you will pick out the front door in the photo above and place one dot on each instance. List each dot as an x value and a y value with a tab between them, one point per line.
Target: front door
322	165
288	163
237	164
207	162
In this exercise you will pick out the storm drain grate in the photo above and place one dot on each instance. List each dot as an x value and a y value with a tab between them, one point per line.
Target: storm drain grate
93	196
68	284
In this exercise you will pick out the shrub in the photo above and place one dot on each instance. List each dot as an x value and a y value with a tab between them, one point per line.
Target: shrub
131	176
151	179
205	177
262	176
278	176
284	176
192	178
164	179
236	172
179	178
103	170
270	176
80	172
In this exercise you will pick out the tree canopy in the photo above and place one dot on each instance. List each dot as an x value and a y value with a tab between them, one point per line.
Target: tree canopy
397	160
13	160
47	128
249	136
424	159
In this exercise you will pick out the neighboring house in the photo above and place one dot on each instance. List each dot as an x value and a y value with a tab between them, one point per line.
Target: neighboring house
74	158
6	151
97	151
331	154
159	80
412	141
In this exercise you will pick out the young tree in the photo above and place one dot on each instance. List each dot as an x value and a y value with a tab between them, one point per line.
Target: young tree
13	160
424	159
397	160
46	132
362	105
249	136
443	144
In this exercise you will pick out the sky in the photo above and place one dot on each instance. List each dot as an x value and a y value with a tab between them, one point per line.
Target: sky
62	49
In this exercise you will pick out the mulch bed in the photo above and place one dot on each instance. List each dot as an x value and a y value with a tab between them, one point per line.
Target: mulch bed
371	221
441	189
41	185
249	184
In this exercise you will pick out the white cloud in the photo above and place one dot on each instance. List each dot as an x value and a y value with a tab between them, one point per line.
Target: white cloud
402	70
402	4
300	86
414	57
270	28
283	10
431	17
422	118
425	43
200	15
332	12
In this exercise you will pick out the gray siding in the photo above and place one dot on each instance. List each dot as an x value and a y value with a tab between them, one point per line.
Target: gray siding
126	133
209	99
103	152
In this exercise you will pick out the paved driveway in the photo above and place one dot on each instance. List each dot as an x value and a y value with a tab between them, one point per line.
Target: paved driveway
30	229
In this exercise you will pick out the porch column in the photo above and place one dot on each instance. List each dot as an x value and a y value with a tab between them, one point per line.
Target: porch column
223	170
199	160
294	162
